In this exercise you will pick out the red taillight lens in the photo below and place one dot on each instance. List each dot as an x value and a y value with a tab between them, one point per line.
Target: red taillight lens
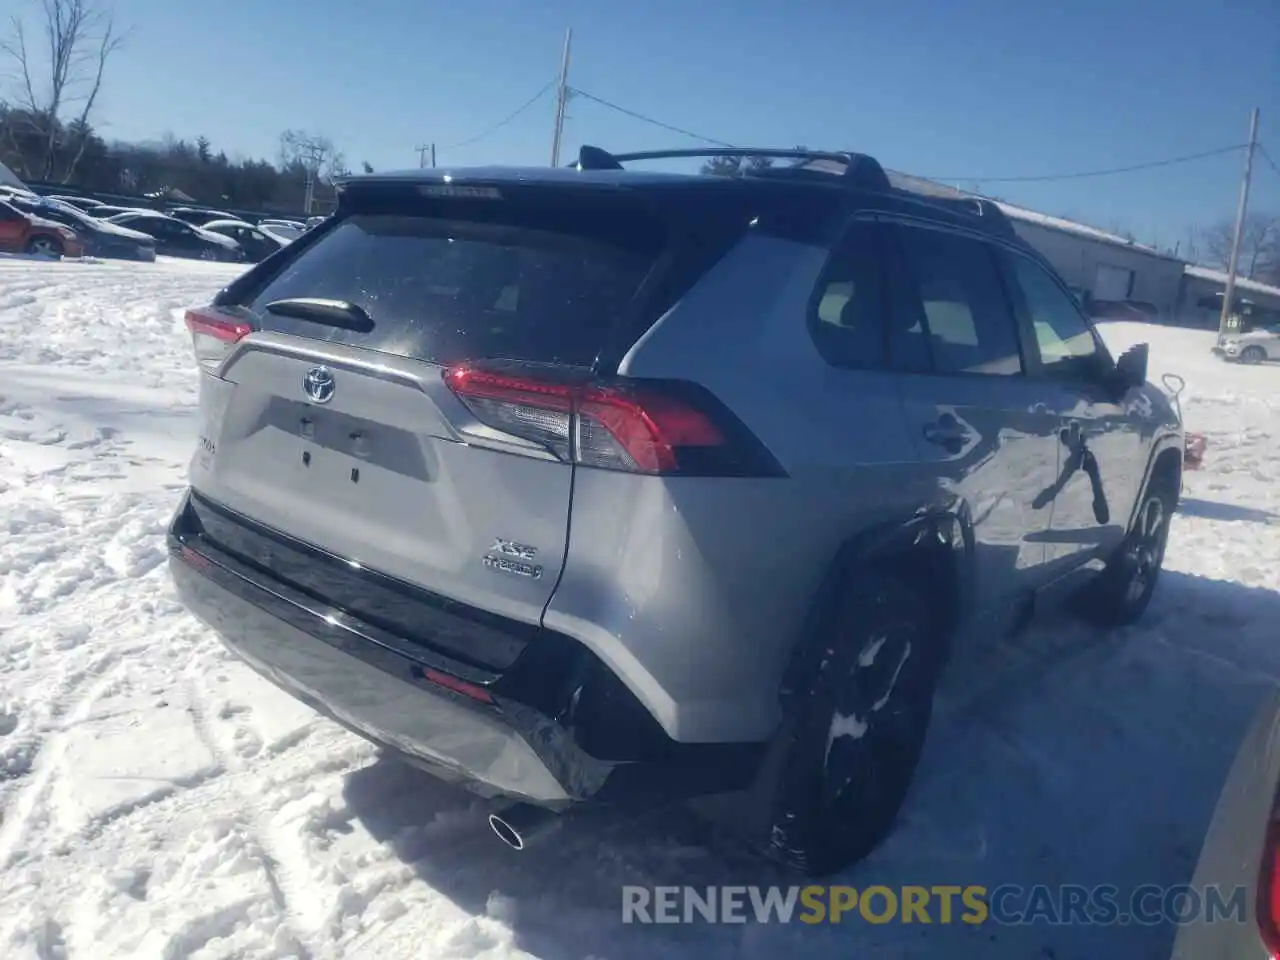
213	334
649	428
639	431
457	685
1268	905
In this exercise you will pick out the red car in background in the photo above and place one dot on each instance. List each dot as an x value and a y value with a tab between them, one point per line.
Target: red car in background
26	233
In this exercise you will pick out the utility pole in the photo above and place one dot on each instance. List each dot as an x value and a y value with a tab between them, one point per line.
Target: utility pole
562	99
312	152
315	154
422	149
1228	295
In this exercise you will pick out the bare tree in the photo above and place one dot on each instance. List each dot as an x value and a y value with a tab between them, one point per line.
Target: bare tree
59	74
1259	244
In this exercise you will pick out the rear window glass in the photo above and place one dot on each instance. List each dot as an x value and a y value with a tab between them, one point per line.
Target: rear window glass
447	290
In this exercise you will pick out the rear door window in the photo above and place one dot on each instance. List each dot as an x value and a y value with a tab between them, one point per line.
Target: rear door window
953	298
542	286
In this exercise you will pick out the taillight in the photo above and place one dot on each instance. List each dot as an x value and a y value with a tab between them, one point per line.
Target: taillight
1268	905
454	683
656	427
213	334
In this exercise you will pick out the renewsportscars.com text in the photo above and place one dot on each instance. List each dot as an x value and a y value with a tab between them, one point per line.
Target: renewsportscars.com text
1008	904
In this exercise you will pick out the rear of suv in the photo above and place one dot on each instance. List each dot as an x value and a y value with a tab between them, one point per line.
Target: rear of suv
602	485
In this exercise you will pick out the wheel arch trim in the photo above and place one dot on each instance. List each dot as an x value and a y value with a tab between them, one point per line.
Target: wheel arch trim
948	529
1166	442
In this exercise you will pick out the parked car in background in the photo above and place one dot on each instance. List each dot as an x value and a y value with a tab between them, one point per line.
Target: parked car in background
1242	851
290	229
199	216
1255	345
175	238
9	190
87	204
22	232
276	233
107	210
101	239
257	244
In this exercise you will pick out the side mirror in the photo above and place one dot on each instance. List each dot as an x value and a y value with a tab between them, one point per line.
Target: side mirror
1131	368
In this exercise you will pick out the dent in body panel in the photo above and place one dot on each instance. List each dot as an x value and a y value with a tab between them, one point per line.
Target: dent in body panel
999	480
697	593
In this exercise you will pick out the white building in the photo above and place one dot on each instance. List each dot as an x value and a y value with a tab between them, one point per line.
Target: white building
1202	292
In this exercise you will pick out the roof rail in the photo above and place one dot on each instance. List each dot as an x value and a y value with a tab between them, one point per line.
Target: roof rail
988	210
856	169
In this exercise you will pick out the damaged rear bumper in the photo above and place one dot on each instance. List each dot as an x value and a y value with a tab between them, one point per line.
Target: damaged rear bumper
552	728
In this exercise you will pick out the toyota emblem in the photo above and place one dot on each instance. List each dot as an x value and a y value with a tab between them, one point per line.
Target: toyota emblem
318	384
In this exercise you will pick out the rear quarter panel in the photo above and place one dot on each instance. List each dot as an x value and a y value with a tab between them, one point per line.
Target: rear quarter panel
695	589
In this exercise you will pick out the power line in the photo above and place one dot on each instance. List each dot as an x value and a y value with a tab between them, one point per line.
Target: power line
504	121
1267	157
640	116
1095	173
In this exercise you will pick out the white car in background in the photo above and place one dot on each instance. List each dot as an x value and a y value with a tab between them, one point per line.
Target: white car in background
1259	344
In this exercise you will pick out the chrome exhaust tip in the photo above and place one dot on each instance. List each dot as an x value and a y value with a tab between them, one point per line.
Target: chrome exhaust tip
520	824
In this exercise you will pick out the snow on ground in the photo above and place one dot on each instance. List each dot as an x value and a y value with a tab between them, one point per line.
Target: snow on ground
158	800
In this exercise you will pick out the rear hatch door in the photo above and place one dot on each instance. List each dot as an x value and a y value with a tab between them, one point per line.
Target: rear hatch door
332	424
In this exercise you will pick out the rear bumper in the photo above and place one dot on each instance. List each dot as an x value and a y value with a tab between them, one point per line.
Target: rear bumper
550	730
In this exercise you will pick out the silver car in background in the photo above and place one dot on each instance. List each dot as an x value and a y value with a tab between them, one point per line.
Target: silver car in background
1258	345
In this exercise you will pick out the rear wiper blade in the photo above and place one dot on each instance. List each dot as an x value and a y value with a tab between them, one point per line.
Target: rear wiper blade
335	313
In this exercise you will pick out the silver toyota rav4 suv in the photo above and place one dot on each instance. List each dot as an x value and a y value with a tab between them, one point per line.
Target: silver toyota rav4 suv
593	484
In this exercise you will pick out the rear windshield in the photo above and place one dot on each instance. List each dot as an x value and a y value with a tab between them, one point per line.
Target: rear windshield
545	288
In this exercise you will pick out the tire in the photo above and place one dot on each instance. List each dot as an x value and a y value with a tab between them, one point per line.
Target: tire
45	246
857	730
1252	354
1123	591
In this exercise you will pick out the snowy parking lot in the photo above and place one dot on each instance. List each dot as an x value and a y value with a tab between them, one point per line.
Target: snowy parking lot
157	800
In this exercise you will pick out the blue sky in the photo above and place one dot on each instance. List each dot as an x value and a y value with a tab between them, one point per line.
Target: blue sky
978	89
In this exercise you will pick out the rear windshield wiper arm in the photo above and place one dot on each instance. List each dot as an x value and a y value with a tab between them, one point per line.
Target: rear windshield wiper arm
334	313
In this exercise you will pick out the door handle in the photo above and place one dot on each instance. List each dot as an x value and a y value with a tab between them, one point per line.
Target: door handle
947	432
